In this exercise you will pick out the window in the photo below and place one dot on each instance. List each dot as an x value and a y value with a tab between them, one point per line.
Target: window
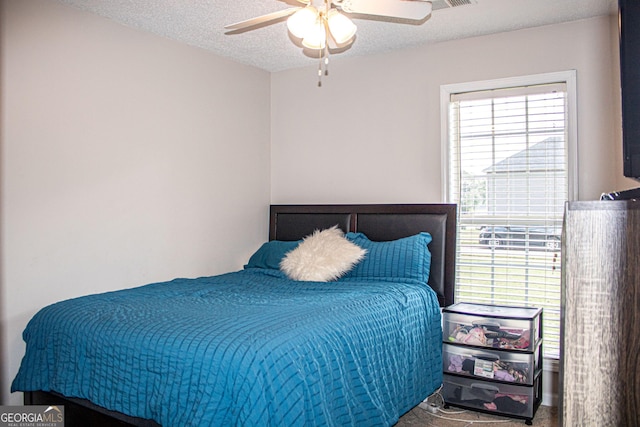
510	147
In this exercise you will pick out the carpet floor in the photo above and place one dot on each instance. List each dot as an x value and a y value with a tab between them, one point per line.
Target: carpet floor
546	416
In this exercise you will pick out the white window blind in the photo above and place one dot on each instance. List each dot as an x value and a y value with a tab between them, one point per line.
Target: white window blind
508	172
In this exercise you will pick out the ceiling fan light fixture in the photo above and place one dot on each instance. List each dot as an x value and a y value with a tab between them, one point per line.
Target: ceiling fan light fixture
342	29
300	22
322	25
315	36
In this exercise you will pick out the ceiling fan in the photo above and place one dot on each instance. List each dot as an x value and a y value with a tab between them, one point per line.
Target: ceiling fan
321	25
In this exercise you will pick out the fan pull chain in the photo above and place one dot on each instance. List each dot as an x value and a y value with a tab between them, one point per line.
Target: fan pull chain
326	59
319	68
320	64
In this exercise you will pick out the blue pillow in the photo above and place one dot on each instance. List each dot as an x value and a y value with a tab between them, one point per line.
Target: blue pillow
406	258
271	253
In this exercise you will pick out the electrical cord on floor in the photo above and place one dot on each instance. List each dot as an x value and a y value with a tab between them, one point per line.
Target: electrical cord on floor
469	422
434	404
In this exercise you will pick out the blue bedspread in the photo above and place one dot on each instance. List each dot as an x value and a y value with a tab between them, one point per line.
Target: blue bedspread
249	348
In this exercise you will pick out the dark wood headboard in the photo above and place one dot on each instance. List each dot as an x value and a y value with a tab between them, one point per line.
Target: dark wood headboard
380	223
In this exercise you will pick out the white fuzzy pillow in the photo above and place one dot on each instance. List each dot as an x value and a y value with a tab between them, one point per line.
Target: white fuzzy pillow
322	256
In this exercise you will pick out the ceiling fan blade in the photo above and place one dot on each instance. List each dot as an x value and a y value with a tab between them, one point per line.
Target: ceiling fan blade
416	10
262	19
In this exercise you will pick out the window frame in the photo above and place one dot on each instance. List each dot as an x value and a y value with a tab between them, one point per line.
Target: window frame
566	77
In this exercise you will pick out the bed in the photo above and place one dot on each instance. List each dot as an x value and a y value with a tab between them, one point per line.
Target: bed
254	347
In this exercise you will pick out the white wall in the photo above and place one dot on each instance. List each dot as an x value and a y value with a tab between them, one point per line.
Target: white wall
126	159
372	132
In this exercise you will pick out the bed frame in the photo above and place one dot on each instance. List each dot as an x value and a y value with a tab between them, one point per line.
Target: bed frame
293	222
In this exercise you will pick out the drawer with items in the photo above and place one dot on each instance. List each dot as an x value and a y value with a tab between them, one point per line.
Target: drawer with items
497	398
498	365
497	327
492	359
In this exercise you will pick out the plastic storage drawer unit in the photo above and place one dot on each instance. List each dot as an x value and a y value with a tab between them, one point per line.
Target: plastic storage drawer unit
500	327
508	366
496	398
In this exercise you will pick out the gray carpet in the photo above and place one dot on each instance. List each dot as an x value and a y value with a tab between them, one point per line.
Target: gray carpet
546	416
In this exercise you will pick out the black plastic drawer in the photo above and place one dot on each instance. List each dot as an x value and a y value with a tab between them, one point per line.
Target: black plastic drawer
496	365
496	398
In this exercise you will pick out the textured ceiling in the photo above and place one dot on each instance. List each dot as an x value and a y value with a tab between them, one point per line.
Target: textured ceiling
200	23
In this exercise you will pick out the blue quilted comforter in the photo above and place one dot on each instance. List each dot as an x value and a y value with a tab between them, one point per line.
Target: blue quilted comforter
249	348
